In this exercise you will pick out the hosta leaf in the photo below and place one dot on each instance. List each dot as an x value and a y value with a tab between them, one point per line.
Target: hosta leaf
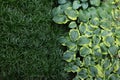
106	63
57	11
100	71
116	14
117	32
97	52
118	72
97	31
93	71
105	24
107	72
76	4
106	33
74	34
96	39
71	13
98	78
102	13
87	61
89	33
93	12
83	16
84	51
72	46
119	54
75	68
72	24
63	40
90	27
76	78
69	56
95	2
108	40
84	0
95	21
117	41
82	28
84	5
82	74
113	50
116	66
66	5
62	1
113	77
107	7
78	62
83	41
89	78
60	19
104	48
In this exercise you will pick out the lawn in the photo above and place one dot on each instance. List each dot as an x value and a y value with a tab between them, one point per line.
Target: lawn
29	49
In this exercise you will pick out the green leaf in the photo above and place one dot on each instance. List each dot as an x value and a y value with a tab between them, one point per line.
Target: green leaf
76	78
84	51
62	1
60	19
71	13
57	11
95	21
72	24
90	27
75	68
72	46
95	2
63	40
76	4
69	56
87	61
113	77
117	41
82	74
113	50
66	5
82	28
74	34
105	24
97	31
116	67
84	5
100	71
97	52
84	0
89	33
102	13
78	62
96	39
98	78
106	33
93	71
108	40
83	40
104	48
83	16
106	63
93	12
117	32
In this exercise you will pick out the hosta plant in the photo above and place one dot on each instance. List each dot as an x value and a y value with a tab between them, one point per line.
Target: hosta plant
93	42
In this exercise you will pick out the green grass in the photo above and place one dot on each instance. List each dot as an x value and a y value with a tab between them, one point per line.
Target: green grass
29	49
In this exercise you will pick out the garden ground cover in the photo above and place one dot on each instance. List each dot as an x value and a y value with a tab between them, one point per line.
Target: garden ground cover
29	49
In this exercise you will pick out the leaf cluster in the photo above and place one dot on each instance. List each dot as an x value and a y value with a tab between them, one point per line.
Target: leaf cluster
93	42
